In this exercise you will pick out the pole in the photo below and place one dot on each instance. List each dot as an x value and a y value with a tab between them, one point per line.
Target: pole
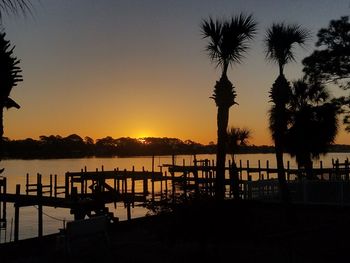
16	230
40	206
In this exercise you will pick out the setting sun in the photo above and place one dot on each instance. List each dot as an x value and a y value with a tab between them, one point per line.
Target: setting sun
144	134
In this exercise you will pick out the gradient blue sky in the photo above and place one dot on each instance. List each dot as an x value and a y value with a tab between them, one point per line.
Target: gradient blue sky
138	68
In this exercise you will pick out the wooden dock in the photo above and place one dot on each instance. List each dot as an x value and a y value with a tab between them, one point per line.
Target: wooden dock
86	193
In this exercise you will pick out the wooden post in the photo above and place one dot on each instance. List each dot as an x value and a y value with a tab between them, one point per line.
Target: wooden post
240	169
16	228
118	182
288	172
66	184
173	191
337	169
55	186
40	206
321	169
115	180
195	175
166	186
230	179
82	182
71	183
152	178
267	170
125	183
211	183
145	183
249	186
128	210
173	185
133	186
259	167
4	203
173	160
27	183
206	185
50	185
184	182
248	170
161	182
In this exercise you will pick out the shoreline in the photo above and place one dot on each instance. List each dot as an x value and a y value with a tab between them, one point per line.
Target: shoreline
4	158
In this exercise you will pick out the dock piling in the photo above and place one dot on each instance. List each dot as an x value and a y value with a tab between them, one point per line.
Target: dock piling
16	227
40	206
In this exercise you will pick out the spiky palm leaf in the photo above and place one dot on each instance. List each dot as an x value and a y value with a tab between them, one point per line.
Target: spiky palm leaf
228	40
280	40
10	75
10	72
15	7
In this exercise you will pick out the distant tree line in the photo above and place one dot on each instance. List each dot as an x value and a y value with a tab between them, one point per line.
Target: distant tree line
74	146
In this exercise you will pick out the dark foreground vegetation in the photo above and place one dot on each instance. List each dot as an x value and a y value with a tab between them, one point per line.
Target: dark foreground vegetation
226	231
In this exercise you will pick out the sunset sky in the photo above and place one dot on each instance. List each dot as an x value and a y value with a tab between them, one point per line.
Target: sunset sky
139	68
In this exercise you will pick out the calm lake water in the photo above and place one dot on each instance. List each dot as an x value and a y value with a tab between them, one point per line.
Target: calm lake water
15	171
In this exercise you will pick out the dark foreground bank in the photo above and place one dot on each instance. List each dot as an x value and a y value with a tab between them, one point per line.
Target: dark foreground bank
210	232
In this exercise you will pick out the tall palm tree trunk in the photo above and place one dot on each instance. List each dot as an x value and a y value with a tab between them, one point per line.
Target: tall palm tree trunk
284	193
278	124
279	148
222	122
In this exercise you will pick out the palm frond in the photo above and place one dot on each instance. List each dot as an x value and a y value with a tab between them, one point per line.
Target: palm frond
280	40
10	72
228	39
10	103
237	137
15	7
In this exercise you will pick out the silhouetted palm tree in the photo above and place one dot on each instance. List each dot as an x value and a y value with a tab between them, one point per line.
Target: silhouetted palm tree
228	41
14	6
10	75
279	41
236	137
313	123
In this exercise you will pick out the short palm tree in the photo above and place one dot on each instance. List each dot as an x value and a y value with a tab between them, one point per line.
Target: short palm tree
236	137
10	75
279	42
228	42
313	123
